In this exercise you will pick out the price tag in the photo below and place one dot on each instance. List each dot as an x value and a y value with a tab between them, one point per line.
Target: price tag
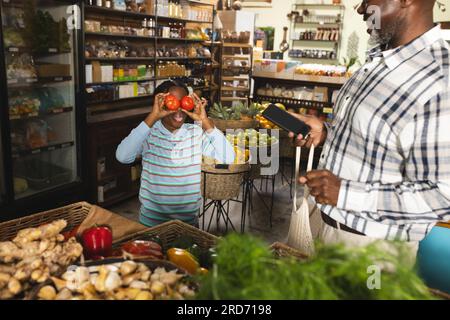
13	49
89	90
13	81
327	110
51	148
36	151
52	50
65	145
59	110
30	80
59	79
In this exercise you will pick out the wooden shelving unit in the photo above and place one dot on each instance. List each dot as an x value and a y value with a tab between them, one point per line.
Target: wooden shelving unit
237	61
311	44
109	121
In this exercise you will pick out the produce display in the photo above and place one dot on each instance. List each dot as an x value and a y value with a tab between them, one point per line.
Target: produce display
237	112
246	269
128	280
263	122
33	256
244	141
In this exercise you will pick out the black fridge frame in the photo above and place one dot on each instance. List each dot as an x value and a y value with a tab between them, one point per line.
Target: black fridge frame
59	196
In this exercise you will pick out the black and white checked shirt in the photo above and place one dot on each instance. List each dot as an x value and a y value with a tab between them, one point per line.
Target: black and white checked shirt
390	142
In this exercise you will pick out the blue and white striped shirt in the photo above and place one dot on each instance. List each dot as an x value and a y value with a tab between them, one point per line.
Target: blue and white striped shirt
171	174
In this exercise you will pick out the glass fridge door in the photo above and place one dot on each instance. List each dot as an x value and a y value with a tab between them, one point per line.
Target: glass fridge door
2	173
40	66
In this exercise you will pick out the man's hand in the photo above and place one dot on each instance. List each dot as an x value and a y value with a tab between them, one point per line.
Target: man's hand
158	111
199	114
324	186
317	135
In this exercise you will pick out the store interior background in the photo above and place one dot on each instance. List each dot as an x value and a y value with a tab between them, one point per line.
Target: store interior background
275	16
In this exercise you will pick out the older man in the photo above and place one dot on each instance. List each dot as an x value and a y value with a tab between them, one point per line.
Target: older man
385	166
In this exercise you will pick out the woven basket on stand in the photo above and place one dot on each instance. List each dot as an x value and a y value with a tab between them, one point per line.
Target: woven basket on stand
74	214
223	125
222	183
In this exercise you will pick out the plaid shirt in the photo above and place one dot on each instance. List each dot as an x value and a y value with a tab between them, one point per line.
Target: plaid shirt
390	142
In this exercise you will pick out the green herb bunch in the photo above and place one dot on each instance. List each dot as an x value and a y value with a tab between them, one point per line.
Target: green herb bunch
246	269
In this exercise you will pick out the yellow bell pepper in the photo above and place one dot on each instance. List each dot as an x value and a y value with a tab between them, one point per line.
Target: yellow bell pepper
184	259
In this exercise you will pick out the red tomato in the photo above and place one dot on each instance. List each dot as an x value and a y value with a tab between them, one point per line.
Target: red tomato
171	102
187	103
97	242
143	248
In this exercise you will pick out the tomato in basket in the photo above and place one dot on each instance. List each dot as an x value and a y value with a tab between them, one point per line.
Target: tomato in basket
143	248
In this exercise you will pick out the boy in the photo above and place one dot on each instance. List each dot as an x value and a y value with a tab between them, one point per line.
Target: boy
171	157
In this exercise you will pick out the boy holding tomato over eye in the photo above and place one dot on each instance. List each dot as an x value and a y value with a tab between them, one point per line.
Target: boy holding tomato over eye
172	153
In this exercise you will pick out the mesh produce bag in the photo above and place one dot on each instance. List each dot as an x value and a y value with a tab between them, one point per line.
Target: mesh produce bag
300	235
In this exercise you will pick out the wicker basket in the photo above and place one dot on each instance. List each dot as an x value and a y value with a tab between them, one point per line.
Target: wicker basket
170	231
74	214
223	125
222	184
283	250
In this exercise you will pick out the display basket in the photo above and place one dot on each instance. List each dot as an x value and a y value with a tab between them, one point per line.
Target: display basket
169	232
74	214
222	182
223	125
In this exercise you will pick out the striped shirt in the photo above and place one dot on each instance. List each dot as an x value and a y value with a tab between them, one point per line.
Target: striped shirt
390	142
171	168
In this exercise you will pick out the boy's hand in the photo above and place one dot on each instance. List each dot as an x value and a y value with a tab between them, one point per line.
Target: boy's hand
317	135
158	111
199	114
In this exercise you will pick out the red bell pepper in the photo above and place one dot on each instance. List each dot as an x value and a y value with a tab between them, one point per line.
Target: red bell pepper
97	242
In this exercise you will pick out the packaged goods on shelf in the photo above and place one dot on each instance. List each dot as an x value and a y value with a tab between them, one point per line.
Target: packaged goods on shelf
321	70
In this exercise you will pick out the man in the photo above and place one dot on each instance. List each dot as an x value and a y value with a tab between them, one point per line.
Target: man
385	166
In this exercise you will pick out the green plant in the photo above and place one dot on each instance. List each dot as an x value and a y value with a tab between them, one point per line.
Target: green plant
245	268
218	111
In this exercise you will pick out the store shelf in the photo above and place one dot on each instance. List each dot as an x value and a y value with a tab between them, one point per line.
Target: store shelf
302	77
118	82
54	111
237	56
109	11
233	99
236	78
115	35
116	100
182	58
319	23
43	149
121	59
183	20
29	50
308	58
236	45
235	89
181	39
26	82
325	107
322	41
321	5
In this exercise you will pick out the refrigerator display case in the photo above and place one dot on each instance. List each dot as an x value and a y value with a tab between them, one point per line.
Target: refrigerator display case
40	52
